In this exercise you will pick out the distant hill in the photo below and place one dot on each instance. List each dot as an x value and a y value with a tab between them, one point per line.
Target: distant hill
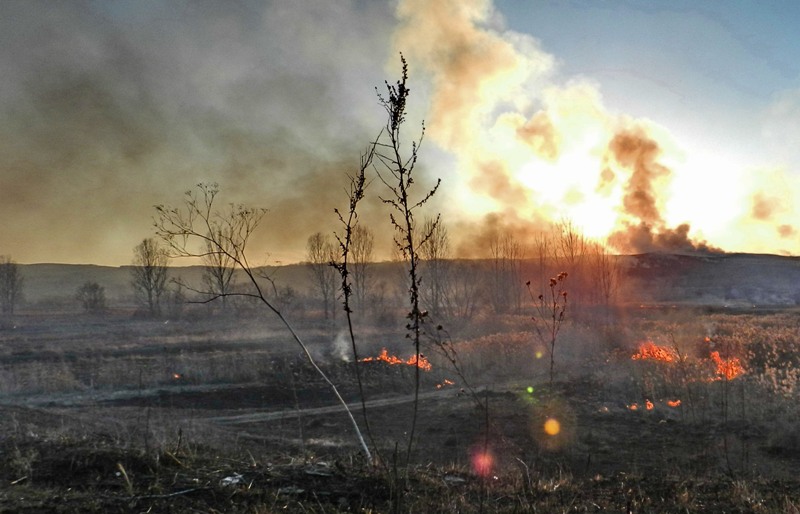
58	283
736	280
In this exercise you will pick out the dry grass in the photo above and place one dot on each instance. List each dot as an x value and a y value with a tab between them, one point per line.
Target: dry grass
731	445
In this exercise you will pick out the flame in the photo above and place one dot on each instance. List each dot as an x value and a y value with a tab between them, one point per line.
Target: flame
447	382
633	406
650	350
393	360
176	376
674	403
727	368
648	404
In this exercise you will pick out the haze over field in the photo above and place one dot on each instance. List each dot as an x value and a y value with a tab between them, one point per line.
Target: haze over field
661	127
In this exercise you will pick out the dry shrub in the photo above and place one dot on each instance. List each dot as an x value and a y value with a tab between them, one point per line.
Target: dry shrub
38	377
495	356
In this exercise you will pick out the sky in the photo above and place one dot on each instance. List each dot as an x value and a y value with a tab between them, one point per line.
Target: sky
654	126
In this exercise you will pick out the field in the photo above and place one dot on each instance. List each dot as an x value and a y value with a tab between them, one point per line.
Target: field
223	414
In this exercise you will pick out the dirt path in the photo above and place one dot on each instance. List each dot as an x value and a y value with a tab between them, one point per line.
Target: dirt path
257	416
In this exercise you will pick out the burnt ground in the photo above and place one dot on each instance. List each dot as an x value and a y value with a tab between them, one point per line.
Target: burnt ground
283	444
233	453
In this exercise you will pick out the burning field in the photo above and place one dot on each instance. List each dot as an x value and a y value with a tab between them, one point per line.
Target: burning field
659	415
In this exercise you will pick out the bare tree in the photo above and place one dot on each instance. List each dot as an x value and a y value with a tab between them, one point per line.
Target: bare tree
149	274
435	267
10	284
605	275
464	291
361	251
570	248
194	221
505	289
320	253
92	297
542	245
218	267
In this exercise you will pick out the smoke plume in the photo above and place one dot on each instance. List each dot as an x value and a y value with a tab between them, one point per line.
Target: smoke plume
528	144
109	108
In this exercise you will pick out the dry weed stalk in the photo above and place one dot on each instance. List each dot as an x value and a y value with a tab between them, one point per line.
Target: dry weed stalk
358	185
551	308
398	177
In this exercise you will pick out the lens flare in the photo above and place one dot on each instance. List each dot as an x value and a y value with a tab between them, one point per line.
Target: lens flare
482	463
552	426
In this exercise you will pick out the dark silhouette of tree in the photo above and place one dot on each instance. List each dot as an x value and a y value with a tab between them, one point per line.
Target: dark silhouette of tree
149	274
361	249
435	267
320	253
218	267
505	289
10	284
92	297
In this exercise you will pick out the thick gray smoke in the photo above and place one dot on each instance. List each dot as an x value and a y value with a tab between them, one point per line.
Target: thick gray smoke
111	107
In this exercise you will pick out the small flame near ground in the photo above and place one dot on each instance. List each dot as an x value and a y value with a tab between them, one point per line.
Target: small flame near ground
651	351
649	405
727	369
393	360
447	382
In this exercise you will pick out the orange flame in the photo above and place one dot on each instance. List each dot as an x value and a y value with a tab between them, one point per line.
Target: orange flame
650	350
393	360
674	403
648	404
447	382
633	406
727	368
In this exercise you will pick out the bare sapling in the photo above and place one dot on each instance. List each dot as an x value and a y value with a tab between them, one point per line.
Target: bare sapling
349	221
228	233
551	309
396	168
